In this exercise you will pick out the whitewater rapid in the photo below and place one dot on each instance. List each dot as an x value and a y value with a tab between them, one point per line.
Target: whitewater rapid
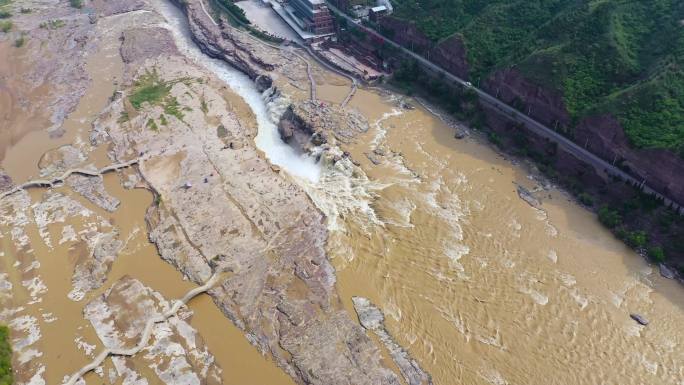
480	287
268	139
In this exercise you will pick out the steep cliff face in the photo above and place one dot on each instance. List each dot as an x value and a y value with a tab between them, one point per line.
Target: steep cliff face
662	169
406	34
602	134
514	136
450	53
544	104
221	43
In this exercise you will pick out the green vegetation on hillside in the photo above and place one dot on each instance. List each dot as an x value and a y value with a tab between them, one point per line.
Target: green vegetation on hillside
237	17
52	24
150	88
458	101
5	26
5	357
233	11
605	56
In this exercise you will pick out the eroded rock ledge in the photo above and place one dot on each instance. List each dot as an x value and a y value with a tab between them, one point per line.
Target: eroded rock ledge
309	123
373	320
221	42
216	195
264	227
173	349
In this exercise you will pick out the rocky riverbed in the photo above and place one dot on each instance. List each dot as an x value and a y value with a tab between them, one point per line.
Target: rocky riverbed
219	204
187	148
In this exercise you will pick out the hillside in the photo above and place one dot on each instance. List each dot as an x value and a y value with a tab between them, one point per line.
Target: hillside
610	56
5	357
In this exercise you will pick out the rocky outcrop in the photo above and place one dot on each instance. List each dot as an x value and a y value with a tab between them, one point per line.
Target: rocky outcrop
449	53
313	122
661	169
62	159
6	183
222	43
294	130
92	188
116	7
406	34
528	197
641	320
545	105
175	351
92	268
373	320
666	272
228	201
99	243
140	44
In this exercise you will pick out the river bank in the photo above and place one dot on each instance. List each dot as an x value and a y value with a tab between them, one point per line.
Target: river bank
641	221
476	286
378	242
166	137
479	248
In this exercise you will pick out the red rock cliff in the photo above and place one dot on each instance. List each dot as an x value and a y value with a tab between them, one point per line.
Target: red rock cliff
449	54
662	170
603	135
543	104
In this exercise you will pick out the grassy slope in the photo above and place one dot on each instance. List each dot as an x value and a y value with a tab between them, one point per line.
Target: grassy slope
617	56
5	357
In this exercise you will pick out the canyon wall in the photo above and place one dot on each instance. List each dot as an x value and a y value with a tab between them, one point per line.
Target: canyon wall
602	134
661	169
449	54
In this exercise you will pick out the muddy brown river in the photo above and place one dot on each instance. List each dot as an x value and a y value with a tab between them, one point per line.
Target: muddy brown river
479	286
482	287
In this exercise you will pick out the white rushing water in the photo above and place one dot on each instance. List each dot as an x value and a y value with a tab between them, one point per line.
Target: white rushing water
267	139
339	190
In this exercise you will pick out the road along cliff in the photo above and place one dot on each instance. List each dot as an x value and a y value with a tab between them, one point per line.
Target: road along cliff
176	128
179	171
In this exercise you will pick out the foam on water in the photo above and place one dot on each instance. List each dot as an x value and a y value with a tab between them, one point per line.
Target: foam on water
493	377
428	190
380	130
344	191
553	256
455	252
538	297
267	139
404	208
